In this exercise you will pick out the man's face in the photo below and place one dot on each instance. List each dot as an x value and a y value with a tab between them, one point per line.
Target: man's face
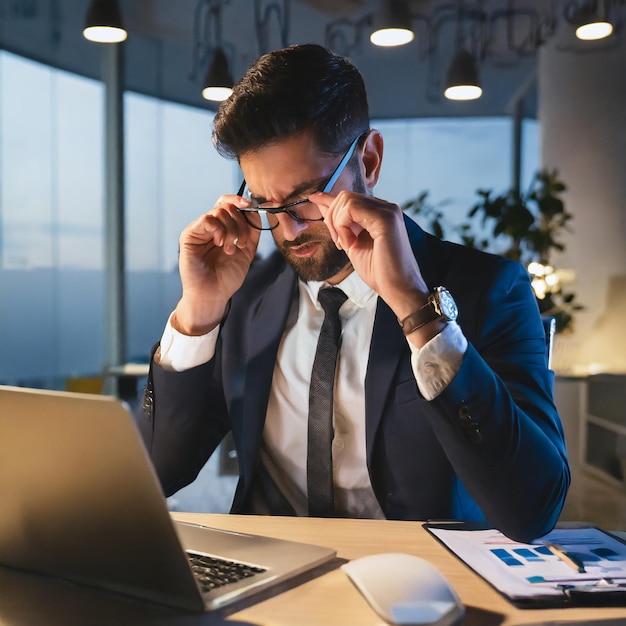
288	171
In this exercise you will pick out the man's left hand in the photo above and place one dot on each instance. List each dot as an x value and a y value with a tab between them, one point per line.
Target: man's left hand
373	235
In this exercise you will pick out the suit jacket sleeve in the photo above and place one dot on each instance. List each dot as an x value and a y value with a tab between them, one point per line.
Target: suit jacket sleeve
496	420
185	415
182	419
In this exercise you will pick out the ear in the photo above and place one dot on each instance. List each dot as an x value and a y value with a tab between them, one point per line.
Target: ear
372	158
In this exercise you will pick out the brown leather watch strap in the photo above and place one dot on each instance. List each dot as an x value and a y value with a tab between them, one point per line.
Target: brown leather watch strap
421	317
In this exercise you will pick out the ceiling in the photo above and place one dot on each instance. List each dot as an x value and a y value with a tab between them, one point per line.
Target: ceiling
170	42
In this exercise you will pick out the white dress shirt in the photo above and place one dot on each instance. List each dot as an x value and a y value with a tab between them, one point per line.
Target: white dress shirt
284	449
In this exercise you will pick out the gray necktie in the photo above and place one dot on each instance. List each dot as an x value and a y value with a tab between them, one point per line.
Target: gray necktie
320	435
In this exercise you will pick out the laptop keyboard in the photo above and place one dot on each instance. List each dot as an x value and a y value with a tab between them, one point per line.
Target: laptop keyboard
212	572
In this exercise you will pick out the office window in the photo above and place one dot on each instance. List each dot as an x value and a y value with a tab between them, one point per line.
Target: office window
50	222
173	175
52	299
530	152
448	157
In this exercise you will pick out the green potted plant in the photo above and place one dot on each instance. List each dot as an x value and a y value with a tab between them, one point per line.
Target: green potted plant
522	226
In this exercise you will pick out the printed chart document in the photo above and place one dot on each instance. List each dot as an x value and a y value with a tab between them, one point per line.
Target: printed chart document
567	566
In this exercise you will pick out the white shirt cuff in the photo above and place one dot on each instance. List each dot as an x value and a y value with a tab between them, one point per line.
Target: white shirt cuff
438	361
178	352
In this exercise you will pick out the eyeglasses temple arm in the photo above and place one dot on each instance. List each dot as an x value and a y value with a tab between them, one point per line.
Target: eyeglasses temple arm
346	157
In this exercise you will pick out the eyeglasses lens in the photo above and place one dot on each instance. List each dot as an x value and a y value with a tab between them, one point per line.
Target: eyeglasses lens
265	216
261	220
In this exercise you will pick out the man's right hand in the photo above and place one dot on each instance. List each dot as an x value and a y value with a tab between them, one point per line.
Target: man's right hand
215	254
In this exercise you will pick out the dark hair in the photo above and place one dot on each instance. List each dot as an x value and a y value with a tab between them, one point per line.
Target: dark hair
290	91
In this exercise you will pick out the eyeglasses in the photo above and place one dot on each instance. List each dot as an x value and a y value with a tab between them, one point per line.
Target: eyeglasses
264	216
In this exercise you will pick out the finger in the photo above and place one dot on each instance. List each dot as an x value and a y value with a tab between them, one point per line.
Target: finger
322	200
338	212
233	231
232	198
325	203
243	238
347	234
224	222
205	230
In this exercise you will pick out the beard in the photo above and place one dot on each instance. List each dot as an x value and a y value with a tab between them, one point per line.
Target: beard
327	262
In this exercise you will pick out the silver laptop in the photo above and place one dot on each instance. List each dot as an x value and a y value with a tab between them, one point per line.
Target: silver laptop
79	500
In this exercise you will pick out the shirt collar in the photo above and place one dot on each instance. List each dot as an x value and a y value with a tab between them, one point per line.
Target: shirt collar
353	286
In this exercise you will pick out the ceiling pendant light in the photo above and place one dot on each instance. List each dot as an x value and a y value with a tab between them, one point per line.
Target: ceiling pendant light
590	19
462	80
218	84
594	30
103	23
392	26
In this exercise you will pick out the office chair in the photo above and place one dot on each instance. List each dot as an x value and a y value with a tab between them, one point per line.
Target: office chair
549	327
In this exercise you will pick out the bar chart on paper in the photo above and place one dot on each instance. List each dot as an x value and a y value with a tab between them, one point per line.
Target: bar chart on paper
563	564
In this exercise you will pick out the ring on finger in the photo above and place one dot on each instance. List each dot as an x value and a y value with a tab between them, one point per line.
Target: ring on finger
235	241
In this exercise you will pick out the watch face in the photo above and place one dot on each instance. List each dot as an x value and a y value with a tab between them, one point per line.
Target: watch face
447	304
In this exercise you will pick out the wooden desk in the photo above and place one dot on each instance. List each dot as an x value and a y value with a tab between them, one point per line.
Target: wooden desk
326	599
331	599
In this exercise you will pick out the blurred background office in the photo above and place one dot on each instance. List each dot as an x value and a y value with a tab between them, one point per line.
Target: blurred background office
105	155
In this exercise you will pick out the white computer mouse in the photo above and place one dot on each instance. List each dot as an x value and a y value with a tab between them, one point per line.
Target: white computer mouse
405	589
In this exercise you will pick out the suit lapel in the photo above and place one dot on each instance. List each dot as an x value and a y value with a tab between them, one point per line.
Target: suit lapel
427	251
267	324
389	344
386	349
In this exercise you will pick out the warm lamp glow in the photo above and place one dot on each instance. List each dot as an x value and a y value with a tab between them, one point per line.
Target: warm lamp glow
594	30
388	37
463	92
545	279
216	94
105	34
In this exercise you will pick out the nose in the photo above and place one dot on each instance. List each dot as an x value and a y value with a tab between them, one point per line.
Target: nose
289	227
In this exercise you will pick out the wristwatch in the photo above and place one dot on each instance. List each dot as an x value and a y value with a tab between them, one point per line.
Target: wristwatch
440	306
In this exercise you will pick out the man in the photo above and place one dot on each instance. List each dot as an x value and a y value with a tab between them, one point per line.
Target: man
432	418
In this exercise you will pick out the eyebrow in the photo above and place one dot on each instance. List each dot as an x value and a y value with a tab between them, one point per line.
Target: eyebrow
301	190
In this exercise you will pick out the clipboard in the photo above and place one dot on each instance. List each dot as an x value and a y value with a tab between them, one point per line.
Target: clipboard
587	568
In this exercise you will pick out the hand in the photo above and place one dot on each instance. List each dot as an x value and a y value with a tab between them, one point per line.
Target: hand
373	235
215	253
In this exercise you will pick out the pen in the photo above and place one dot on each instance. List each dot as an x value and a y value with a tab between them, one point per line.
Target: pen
573	561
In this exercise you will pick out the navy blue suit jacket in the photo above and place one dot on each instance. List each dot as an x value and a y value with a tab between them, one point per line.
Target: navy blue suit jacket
489	447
